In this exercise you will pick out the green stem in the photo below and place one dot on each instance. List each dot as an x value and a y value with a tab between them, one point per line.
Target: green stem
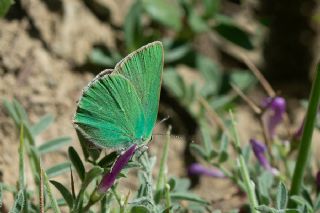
52	200
163	167
248	184
305	143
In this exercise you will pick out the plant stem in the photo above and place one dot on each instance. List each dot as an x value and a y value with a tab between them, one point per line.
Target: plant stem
160	188
305	143
249	186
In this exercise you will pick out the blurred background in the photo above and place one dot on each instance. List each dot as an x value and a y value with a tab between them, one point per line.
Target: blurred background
51	49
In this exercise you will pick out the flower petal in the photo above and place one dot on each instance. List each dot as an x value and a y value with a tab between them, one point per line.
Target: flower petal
198	169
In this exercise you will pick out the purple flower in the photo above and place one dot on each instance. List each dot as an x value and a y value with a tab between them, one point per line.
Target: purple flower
110	177
259	150
198	169
277	108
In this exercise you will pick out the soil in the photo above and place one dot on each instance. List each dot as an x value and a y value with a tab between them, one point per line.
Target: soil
40	51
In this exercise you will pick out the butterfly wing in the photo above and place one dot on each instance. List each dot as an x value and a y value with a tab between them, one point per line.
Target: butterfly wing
143	68
110	113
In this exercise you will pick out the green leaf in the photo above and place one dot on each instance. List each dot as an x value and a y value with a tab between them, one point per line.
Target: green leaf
91	175
64	192
21	112
266	209
198	151
301	201
108	160
76	162
174	82
197	23
211	8
139	209
53	145
29	134
234	34
53	202
176	53
212	74
206	136
265	181
58	169
133	32
223	151
11	111
242	78
317	203
168	13
282	196
99	57
18	202
187	196
42	124
179	184
87	150
4	6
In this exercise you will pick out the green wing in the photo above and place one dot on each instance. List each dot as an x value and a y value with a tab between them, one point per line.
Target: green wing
143	68
109	112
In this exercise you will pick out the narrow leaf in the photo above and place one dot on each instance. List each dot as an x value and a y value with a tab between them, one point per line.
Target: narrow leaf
21	112
4	6
76	162
233	33
42	124
166	12
58	169
53	145
11	111
108	160
223	152
188	196
64	192
282	196
91	175
52	200
18	203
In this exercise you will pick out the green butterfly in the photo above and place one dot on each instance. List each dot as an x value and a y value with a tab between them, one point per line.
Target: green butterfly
119	107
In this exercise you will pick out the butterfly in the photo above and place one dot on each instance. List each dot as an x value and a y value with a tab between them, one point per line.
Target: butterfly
119	107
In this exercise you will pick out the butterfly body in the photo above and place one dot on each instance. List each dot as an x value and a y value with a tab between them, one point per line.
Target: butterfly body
119	107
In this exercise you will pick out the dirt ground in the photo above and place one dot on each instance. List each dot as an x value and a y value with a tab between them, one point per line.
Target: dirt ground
39	55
